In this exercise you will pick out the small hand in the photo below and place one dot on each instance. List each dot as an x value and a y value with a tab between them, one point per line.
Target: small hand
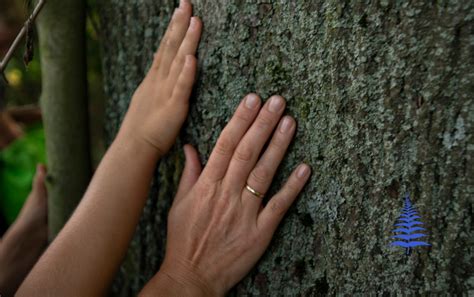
218	229
160	104
10	130
26	239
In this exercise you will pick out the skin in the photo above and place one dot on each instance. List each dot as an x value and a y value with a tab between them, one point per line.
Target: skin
217	229
10	120
9	130
25	240
86	254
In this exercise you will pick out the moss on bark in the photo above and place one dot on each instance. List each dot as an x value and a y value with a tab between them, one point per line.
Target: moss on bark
383	96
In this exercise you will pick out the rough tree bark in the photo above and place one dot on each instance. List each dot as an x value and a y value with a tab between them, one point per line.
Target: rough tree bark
61	26
383	95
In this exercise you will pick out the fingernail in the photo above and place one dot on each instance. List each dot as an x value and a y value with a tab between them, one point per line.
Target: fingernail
276	103
285	125
302	171
181	3
251	101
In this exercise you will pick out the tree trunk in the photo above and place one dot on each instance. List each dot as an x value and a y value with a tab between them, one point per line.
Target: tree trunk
61	26
383	96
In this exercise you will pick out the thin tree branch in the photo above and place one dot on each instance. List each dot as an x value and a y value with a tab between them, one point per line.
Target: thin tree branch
20	36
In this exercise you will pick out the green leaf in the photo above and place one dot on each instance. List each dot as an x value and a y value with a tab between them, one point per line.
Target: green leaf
17	169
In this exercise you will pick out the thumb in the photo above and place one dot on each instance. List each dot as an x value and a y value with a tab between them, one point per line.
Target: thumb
192	171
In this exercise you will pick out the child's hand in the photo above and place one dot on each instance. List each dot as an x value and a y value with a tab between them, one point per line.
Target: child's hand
160	104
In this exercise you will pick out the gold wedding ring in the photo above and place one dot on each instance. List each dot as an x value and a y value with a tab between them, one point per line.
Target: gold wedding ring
255	193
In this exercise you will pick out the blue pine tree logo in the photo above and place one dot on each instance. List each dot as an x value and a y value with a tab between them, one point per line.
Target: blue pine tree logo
408	228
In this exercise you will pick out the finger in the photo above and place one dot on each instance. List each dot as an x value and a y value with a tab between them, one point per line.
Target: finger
184	86
16	130
248	150
191	171
276	208
262	175
173	37
188	47
39	180
220	157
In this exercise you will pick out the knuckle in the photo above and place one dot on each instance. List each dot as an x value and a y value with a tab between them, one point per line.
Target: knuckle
223	203
243	153
279	143
206	190
261	175
183	82
292	188
243	116
277	208
264	122
156	59
179	60
224	146
226	193
171	43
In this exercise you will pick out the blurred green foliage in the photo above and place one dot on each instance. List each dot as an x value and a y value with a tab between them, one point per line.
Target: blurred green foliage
18	163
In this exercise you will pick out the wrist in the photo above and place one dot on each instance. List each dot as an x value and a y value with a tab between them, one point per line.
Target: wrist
135	144
176	279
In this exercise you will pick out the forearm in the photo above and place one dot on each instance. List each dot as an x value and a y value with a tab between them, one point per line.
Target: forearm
14	263
87	252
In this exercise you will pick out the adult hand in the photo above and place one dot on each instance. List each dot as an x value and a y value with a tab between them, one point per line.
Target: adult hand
84	257
217	228
161	102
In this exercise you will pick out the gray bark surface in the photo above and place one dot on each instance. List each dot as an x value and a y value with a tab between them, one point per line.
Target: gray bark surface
383	96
